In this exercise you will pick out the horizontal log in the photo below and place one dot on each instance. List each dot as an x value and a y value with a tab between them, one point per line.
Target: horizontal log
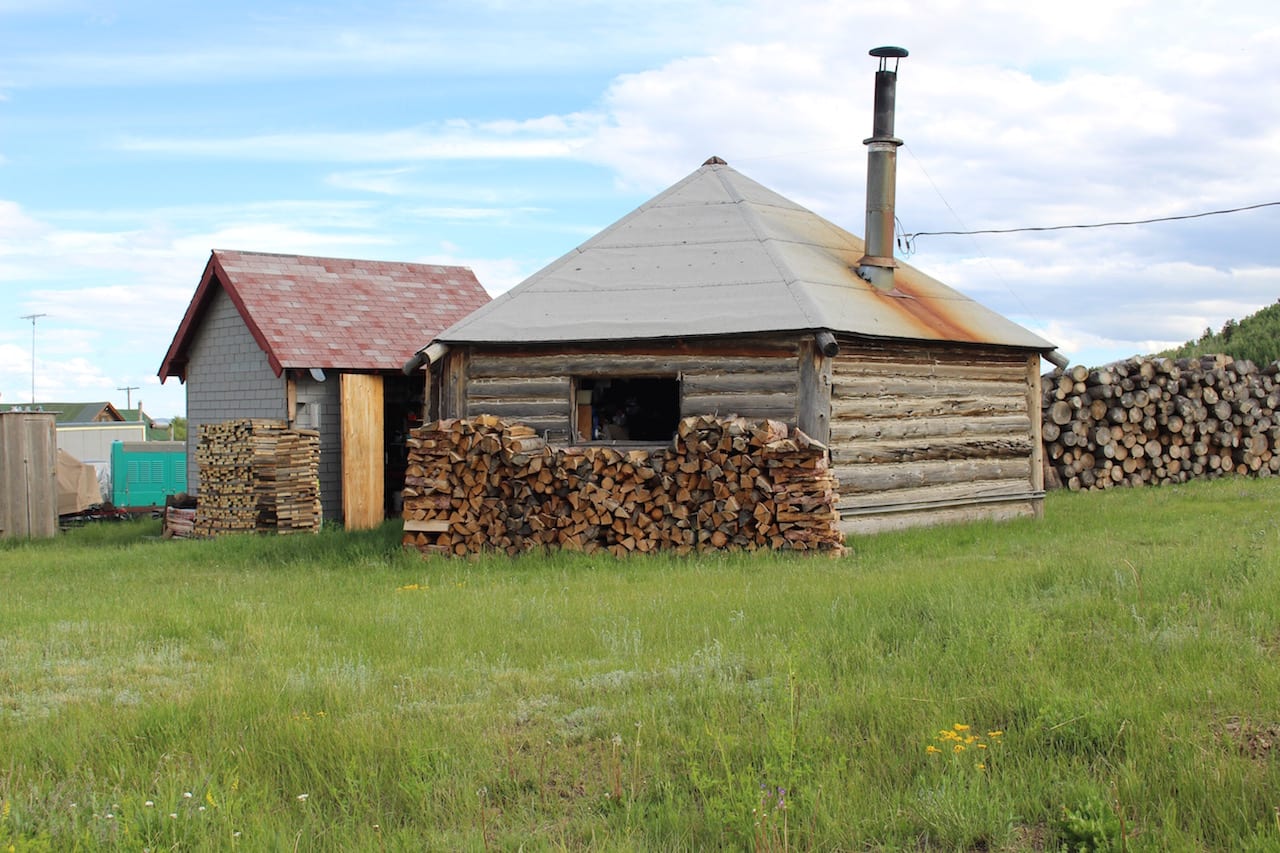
844	367
610	364
925	387
697	383
752	406
523	411
916	450
927	408
888	477
929	428
550	388
976	490
924	517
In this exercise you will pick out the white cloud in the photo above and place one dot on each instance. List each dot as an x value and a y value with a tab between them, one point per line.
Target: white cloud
465	142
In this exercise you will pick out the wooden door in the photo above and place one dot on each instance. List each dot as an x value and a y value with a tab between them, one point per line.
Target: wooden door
363	462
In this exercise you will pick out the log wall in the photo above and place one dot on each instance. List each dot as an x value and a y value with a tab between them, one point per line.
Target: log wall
535	386
1156	420
929	435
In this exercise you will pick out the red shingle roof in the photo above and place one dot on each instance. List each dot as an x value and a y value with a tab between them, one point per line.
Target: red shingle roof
330	313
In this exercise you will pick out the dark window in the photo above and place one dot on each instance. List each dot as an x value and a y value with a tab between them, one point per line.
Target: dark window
628	408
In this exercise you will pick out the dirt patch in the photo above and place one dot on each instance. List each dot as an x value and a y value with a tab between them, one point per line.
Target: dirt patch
1255	740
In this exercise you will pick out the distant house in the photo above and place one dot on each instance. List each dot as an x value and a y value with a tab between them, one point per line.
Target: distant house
156	430
87	430
319	343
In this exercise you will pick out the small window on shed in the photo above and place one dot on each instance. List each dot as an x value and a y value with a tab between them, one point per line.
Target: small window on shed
643	409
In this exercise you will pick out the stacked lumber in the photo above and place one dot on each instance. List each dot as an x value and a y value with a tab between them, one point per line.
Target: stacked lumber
257	475
293	487
484	485
1157	420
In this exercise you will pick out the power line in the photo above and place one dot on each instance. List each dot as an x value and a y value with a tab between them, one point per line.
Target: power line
909	238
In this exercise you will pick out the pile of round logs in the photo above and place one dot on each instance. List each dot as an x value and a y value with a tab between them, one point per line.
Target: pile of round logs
1158	420
481	484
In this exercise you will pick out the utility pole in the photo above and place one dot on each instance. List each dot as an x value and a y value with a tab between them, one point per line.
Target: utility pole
33	318
128	395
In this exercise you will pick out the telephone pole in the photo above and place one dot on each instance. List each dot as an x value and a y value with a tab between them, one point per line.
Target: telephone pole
33	318
128	395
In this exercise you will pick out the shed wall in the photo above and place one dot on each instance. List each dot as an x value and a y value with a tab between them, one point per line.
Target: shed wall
320	408
755	379
92	442
28	475
922	435
228	377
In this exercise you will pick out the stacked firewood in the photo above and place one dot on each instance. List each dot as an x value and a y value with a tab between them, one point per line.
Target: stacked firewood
257	475
1155	420
483	485
179	523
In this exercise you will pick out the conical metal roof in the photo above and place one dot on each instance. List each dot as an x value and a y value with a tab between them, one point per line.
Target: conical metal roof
719	254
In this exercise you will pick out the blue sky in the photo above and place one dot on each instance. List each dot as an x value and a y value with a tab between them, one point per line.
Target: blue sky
135	137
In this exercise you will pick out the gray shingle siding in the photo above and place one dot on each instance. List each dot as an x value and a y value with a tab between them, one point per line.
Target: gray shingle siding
228	377
325	395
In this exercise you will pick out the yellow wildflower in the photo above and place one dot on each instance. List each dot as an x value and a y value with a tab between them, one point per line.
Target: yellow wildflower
958	747
960	727
932	750
996	733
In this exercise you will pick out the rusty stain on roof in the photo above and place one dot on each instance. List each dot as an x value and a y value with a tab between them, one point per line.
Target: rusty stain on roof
718	254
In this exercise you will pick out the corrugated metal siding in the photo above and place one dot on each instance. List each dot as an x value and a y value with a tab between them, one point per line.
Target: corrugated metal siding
929	431
228	377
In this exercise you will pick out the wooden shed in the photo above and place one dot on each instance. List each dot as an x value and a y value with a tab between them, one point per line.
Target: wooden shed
318	343
28	475
720	296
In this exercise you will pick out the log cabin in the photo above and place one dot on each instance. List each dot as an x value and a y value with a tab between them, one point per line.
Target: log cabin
721	297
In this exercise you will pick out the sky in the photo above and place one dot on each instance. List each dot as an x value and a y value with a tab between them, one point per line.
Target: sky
136	137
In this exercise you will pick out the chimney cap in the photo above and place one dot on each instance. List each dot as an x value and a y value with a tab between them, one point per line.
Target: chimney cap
888	52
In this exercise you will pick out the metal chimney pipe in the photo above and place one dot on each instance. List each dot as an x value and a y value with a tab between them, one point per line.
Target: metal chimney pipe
877	264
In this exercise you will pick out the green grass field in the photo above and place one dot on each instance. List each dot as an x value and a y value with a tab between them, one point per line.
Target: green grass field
1117	665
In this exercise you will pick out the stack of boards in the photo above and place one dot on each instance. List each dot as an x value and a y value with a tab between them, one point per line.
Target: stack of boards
257	475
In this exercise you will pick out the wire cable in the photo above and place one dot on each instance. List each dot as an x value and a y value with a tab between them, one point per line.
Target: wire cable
912	236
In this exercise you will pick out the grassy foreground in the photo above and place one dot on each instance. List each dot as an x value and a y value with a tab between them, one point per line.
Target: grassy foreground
1106	678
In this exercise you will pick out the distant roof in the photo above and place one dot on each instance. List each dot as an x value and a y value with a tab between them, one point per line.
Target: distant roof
329	313
719	254
135	415
72	413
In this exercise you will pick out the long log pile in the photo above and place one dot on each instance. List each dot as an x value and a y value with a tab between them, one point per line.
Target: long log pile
484	485
257	475
1156	420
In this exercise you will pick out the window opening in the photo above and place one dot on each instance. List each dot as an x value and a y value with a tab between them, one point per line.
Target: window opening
645	409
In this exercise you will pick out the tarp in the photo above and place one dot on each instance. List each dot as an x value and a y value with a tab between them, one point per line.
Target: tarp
77	485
